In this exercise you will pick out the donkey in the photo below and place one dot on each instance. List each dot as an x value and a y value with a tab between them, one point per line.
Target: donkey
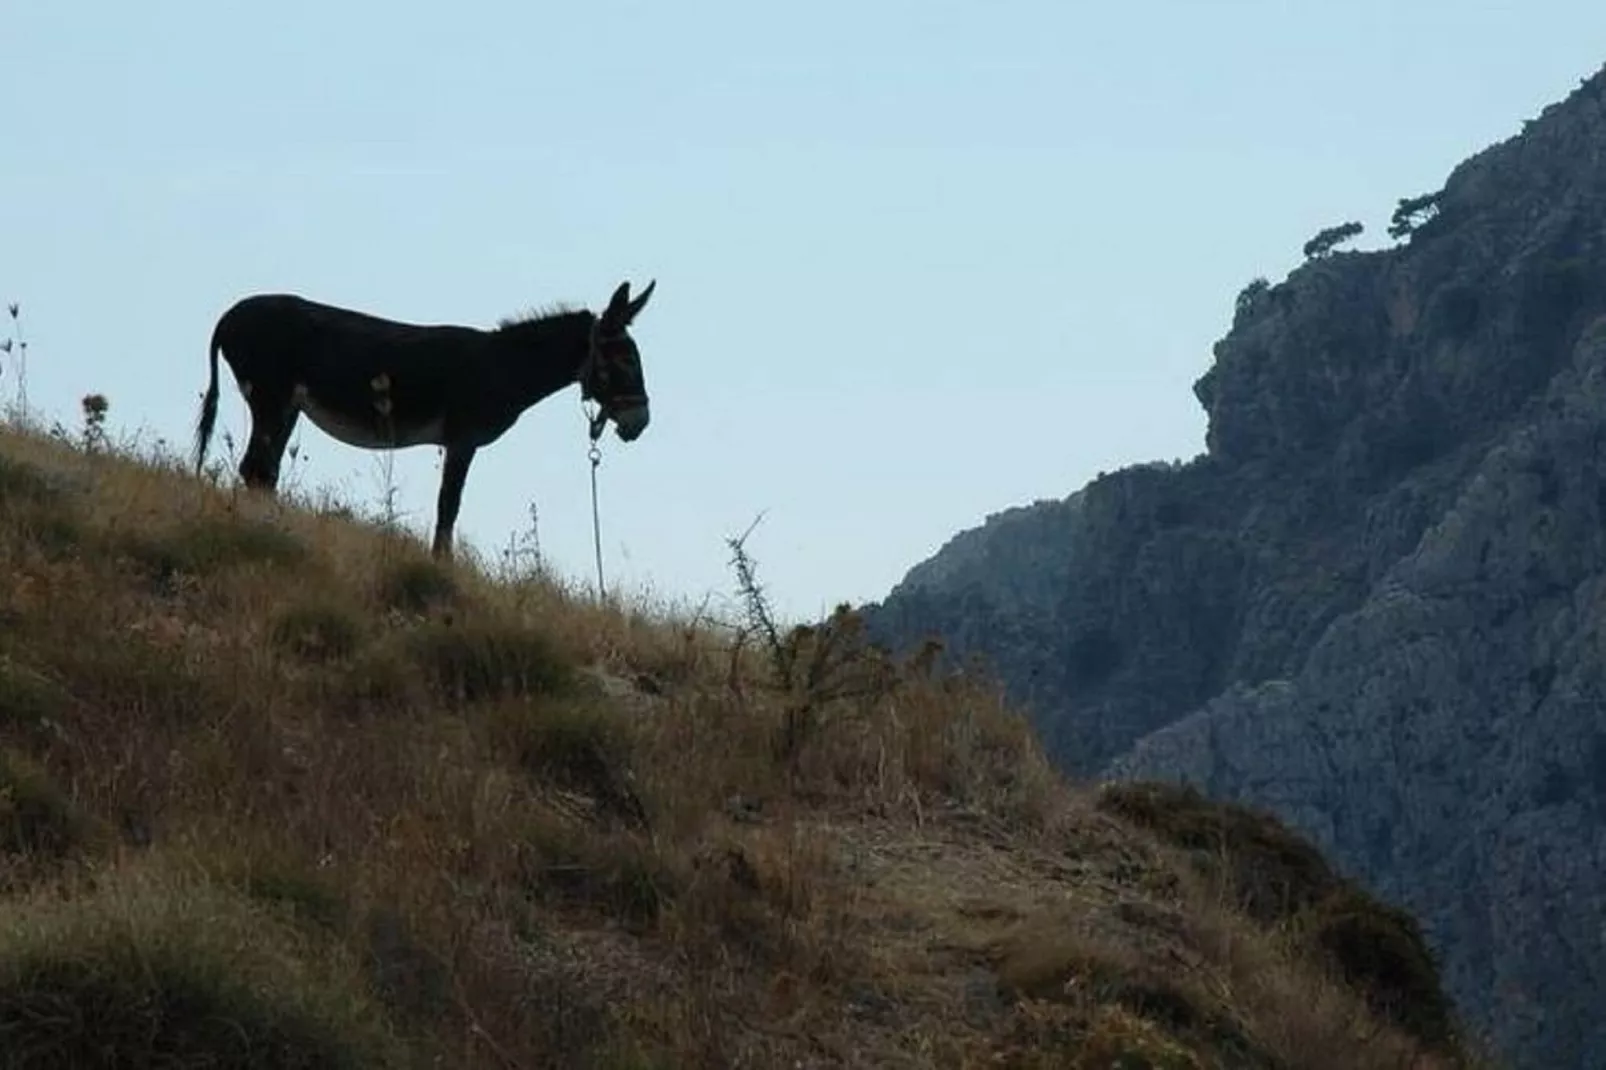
379	384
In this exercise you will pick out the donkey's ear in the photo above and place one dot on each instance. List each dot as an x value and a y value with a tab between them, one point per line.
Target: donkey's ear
617	303
615	315
640	302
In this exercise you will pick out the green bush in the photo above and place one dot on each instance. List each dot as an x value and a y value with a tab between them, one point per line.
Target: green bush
1328	237
407	978
1281	878
1274	872
55	531
478	661
157	973
29	701
377	678
22	483
318	632
1249	299
415	586
616	875
35	508
1381	953
1069	969
281	884
575	744
211	545
1412	212
36	817
147	682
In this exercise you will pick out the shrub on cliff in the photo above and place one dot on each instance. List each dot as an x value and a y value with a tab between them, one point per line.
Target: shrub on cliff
1326	239
1411	213
1278	878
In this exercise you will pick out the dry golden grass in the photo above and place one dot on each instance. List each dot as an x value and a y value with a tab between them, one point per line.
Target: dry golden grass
270	777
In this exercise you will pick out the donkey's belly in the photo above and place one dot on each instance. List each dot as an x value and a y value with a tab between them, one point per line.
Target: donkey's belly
369	430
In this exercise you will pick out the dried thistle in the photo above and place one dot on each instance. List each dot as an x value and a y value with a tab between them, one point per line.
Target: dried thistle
19	344
93	435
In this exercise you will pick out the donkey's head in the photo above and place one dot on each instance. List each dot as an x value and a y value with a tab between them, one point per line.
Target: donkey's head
611	375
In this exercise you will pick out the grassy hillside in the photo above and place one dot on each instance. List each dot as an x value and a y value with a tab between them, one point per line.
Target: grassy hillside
275	790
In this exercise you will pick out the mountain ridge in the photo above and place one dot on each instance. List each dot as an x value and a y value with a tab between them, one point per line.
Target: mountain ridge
1402	448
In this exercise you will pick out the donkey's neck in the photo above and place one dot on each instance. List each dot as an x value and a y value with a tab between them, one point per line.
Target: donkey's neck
545	355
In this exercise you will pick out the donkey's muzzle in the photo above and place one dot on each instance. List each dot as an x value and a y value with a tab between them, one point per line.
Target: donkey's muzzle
631	422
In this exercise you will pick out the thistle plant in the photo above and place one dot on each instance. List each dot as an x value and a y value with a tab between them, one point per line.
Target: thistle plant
16	343
521	557
92	436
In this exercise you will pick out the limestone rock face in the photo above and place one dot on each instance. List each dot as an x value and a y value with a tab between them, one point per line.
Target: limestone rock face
1378	602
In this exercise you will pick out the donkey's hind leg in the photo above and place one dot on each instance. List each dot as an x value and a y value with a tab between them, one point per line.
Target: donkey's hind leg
271	425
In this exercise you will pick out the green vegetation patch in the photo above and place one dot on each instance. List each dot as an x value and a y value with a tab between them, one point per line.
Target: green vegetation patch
1381	953
1179	1014
416	585
577	744
145	681
22	483
29	701
618	876
155	972
377	678
1281	878
53	530
1275	872
406	976
319	631
36	509
475	661
36	816
283	884
211	545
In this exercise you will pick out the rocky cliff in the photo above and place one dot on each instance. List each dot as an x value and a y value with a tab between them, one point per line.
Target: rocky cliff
1377	603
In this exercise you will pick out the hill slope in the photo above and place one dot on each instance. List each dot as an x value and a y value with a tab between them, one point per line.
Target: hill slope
275	790
1375	604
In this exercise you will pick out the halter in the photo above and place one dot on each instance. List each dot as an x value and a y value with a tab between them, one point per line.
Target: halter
587	376
588	381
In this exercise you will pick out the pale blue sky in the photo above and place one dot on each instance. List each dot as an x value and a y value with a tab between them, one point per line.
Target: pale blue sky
917	261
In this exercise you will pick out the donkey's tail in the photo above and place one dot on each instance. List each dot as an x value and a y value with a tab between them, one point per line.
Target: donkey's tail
208	418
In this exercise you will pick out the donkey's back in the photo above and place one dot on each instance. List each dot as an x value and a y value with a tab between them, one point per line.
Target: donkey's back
280	323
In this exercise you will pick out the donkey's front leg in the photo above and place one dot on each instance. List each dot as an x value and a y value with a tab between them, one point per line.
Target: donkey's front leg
453	472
